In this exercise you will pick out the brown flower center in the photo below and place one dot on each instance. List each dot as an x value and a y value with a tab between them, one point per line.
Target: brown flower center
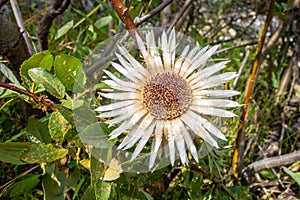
167	96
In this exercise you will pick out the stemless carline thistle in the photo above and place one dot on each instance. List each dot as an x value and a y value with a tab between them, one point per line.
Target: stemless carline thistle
167	97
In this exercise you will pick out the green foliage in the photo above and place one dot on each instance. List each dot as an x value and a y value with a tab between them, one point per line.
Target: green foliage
295	176
58	127
9	75
52	84
71	146
69	71
56	183
48	135
39	130
43	153
42	60
64	29
24	186
11	152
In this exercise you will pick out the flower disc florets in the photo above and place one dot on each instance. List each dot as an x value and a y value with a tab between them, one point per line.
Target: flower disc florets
167	98
167	95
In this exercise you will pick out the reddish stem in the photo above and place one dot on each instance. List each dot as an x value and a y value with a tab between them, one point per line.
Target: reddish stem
122	11
45	102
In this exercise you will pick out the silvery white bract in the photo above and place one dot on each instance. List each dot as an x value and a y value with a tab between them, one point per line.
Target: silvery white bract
166	97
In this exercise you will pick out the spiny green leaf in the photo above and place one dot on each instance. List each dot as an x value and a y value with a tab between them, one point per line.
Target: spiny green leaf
95	136
72	104
51	83
101	188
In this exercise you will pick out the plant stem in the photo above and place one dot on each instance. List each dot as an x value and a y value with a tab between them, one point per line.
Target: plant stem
46	102
240	141
123	13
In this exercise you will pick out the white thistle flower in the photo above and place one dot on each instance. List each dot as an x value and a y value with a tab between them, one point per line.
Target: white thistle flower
168	97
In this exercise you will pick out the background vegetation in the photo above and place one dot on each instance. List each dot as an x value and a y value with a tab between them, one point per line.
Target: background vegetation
42	155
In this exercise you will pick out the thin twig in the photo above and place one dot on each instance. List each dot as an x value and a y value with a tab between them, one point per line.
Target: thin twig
241	68
185	9
19	19
121	10
290	15
56	8
5	186
140	20
276	161
46	102
107	53
295	60
236	47
240	141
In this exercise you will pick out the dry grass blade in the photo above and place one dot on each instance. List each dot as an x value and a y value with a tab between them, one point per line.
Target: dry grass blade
240	141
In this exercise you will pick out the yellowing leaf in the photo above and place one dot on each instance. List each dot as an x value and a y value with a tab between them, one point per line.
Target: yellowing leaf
114	170
51	83
43	153
58	127
86	163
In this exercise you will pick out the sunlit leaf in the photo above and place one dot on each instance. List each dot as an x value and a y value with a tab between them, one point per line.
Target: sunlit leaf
43	153
42	60
58	127
69	71
9	74
103	21
113	171
294	175
267	173
275	81
64	29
